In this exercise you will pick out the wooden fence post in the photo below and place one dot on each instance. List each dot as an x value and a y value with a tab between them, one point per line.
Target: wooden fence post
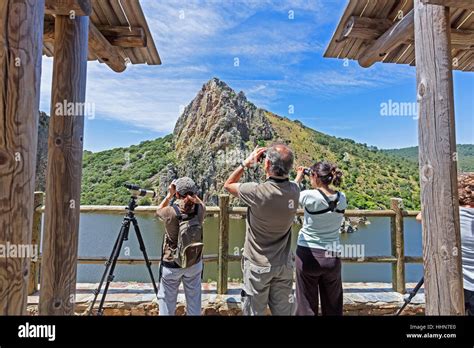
36	240
223	248
398	247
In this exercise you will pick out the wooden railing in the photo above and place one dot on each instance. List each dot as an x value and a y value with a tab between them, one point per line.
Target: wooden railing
224	211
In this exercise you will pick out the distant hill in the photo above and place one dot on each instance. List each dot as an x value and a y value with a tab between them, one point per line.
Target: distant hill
216	131
465	156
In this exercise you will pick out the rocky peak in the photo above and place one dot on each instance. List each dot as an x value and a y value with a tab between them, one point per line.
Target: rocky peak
42	152
216	131
222	118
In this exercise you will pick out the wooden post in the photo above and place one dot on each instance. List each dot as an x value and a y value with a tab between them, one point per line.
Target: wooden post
437	157
36	241
63	186
398	247
21	28
223	251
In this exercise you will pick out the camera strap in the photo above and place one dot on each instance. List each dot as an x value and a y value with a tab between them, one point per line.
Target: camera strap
332	205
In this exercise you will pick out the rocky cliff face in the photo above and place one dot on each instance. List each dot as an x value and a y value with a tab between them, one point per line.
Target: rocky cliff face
42	152
216	131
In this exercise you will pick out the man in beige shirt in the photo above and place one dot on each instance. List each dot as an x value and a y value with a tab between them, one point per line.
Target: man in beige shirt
272	205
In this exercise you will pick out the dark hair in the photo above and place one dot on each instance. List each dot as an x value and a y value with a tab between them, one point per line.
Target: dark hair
328	173
281	159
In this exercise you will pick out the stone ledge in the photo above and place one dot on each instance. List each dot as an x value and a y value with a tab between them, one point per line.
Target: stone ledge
125	299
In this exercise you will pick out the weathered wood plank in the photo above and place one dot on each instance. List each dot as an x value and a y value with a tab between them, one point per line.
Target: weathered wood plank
466	4
124	36
438	176
398	246
63	186
21	27
223	245
335	46
460	39
68	7
35	241
366	28
119	36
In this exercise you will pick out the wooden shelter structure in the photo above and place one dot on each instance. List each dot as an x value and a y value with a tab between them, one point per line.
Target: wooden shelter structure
437	36
114	32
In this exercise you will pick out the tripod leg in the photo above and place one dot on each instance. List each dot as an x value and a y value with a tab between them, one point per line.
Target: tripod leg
106	271
125	228
145	255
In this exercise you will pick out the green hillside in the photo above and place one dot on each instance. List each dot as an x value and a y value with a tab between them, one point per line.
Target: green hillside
104	173
217	128
465	156
371	176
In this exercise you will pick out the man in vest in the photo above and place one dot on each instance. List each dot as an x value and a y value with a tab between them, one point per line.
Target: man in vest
272	205
182	247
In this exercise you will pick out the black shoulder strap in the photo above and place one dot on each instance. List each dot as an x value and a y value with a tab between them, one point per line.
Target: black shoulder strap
179	216
332	205
185	217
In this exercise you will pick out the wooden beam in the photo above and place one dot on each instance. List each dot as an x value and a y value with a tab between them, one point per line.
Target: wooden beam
462	39
68	7
438	176
104	50
396	35
124	36
371	29
466	4
63	185
99	46
365	28
21	25
119	36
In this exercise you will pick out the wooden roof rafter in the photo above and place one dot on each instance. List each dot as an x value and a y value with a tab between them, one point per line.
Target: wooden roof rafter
118	31
384	32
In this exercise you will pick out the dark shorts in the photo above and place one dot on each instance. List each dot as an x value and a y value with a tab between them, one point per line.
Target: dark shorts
318	275
469	300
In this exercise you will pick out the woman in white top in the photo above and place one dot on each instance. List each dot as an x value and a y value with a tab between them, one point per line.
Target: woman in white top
318	267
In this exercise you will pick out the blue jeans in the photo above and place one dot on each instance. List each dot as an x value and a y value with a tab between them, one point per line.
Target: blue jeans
169	285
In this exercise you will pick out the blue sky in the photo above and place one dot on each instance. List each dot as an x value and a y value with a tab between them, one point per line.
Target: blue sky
280	68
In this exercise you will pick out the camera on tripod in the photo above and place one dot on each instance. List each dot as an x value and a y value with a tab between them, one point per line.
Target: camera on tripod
137	191
128	220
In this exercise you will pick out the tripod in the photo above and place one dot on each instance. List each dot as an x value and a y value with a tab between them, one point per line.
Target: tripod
112	261
412	294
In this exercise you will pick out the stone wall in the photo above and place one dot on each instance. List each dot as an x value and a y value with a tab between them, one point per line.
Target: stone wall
226	309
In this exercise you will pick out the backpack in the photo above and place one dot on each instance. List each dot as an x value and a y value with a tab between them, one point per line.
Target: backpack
190	238
332	205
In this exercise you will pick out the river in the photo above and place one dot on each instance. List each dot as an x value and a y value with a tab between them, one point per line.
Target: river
98	233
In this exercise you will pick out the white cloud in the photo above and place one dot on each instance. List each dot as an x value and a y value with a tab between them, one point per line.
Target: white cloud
198	39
